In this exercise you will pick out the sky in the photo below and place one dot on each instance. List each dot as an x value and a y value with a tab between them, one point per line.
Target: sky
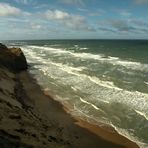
73	19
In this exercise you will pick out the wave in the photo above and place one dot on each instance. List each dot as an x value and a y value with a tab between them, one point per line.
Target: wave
142	114
98	57
34	55
53	50
108	94
121	131
109	91
119	95
52	45
86	102
126	134
146	83
69	69
94	90
84	48
75	71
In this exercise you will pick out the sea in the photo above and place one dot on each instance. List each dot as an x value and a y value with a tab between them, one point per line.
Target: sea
105	81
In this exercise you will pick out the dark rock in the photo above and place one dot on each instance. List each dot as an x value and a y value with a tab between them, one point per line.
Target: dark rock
51	138
34	135
3	47
22	131
12	58
14	116
8	140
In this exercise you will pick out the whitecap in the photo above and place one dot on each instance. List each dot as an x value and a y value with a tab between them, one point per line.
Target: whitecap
83	48
142	114
146	83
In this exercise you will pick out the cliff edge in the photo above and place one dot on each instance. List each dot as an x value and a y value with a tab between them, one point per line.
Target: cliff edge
12	58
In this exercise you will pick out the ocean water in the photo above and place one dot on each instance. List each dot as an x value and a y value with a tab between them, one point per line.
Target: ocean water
103	80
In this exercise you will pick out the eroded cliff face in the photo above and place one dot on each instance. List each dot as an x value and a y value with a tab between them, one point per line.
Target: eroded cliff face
12	58
15	106
12	61
22	125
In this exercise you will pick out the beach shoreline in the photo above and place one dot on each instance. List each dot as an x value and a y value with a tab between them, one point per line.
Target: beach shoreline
105	132
31	118
102	130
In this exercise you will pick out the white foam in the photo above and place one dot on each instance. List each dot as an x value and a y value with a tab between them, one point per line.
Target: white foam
146	83
53	50
94	106
87	56
99	57
74	71
68	69
107	84
97	89
113	58
121	131
105	101
83	48
142	114
77	69
75	89
53	45
129	136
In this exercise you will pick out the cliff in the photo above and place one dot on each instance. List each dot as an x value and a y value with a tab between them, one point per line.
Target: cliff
12	58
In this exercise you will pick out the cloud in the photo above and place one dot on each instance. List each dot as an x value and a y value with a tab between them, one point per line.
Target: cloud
143	30
139	22
141	1
71	21
8	10
56	15
107	29
121	25
35	26
25	2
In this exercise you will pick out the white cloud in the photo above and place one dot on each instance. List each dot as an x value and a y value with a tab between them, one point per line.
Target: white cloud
71	21
8	10
56	15
35	26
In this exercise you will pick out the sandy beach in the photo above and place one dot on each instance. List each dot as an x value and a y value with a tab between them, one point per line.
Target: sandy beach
31	118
